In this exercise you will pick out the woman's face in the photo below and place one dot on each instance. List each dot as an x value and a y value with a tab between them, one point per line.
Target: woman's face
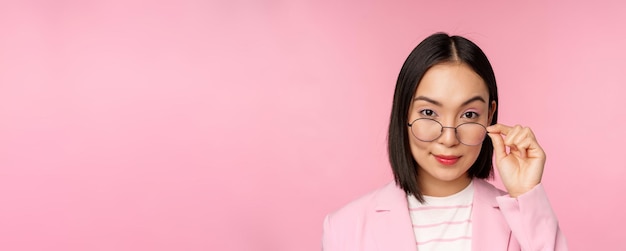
452	94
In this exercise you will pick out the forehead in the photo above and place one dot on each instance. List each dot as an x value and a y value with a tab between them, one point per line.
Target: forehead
451	83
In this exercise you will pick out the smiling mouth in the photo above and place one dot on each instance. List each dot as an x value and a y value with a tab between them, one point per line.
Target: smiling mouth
447	160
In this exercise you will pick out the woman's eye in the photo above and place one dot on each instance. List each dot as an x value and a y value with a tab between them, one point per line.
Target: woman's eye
470	115
427	112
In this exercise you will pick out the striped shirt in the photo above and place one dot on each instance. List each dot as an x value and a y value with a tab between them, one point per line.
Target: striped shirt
443	223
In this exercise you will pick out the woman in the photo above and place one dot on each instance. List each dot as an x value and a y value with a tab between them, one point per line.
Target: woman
442	136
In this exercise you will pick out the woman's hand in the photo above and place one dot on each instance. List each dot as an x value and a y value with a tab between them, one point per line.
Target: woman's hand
521	167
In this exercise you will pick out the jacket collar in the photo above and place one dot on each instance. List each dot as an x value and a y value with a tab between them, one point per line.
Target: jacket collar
485	193
490	230
393	227
391	197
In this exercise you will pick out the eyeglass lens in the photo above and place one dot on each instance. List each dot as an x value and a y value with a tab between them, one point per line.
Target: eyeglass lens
467	133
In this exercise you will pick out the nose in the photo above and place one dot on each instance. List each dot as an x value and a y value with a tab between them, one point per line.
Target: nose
448	136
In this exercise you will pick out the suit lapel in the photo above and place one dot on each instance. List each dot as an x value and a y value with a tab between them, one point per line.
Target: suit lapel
392	228
391	222
489	228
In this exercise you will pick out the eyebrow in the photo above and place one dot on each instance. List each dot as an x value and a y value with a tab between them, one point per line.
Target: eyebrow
437	103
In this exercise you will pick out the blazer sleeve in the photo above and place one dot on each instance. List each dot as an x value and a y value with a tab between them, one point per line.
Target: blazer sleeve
533	221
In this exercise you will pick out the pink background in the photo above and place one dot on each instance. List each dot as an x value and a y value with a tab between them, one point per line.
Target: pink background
237	125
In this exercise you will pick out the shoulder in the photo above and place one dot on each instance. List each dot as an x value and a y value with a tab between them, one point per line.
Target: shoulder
362	204
348	224
486	193
356	211
483	186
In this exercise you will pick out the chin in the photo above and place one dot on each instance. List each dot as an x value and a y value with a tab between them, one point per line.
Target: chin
449	175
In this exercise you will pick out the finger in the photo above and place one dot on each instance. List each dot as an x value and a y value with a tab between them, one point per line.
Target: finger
498	145
523	147
529	133
499	128
517	152
530	148
516	134
519	135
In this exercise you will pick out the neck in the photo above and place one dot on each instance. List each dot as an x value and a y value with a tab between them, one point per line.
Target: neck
442	188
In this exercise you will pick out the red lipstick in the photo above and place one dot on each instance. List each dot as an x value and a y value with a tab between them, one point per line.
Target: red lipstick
447	160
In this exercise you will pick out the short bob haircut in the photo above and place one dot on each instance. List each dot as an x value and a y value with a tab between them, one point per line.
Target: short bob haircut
435	49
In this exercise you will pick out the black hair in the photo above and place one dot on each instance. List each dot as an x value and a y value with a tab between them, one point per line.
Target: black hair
435	49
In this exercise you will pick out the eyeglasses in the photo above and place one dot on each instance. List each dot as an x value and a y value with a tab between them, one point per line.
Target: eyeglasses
428	130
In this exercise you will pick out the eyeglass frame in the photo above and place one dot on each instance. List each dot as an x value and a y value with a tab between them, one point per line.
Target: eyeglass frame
456	133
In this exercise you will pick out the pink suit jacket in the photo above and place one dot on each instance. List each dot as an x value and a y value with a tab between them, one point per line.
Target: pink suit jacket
380	221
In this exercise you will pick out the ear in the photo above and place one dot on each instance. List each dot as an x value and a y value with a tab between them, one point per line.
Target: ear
492	110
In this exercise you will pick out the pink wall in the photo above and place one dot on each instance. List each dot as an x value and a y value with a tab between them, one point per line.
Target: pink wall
237	125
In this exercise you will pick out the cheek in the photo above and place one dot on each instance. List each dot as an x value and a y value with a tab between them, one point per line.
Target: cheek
418	147
473	152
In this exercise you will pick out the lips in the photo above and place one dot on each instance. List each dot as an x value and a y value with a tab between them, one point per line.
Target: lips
447	159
